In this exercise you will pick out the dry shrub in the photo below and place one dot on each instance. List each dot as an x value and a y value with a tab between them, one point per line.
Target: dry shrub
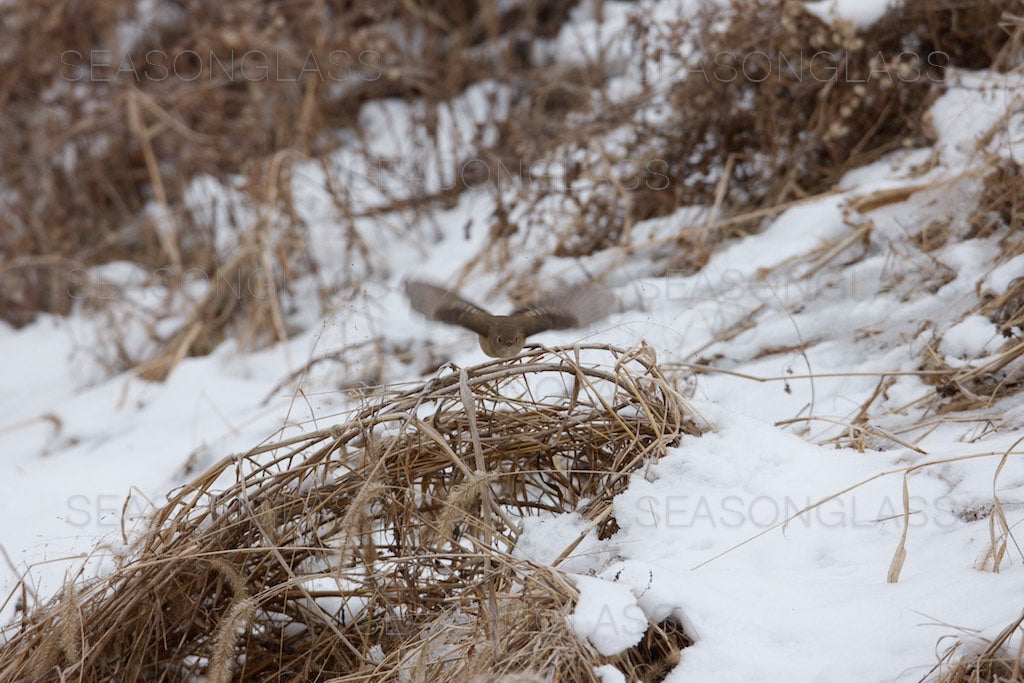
379	548
975	34
1000	212
994	662
795	102
798	103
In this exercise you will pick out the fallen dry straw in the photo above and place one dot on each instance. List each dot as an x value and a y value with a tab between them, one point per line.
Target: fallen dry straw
971	659
379	548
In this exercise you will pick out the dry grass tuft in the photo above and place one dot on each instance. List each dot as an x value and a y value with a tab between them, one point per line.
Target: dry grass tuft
379	548
1000	207
991	662
975	385
1007	309
999	216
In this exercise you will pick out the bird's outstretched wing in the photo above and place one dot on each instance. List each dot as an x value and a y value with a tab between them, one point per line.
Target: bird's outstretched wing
575	306
438	303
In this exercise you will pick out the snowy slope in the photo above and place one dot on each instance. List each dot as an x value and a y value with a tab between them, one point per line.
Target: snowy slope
702	534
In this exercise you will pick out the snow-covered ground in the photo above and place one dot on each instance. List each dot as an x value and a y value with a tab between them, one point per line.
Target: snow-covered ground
703	534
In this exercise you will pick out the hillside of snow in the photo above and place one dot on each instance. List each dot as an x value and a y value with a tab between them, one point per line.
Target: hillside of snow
849	515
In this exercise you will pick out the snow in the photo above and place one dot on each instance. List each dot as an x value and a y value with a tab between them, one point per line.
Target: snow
862	13
1002	275
796	593
609	674
973	336
544	538
607	615
770	538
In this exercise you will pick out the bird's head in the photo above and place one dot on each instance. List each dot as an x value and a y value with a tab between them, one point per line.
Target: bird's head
505	341
511	341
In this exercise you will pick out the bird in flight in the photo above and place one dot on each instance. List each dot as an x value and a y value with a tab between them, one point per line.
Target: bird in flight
503	336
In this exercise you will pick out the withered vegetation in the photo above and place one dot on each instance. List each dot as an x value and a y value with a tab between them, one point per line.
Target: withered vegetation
380	548
95	160
973	660
771	107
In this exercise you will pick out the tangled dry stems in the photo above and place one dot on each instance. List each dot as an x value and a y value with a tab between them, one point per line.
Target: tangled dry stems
380	548
995	661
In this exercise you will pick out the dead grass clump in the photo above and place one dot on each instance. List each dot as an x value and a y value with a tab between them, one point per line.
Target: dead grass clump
378	548
974	385
933	235
999	215
1000	208
1007	309
997	661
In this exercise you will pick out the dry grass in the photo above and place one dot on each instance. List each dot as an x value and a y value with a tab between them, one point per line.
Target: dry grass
1000	208
741	128
999	216
97	170
379	548
976	385
985	662
97	152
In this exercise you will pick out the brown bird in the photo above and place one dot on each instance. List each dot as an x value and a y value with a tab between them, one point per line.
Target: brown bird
503	336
